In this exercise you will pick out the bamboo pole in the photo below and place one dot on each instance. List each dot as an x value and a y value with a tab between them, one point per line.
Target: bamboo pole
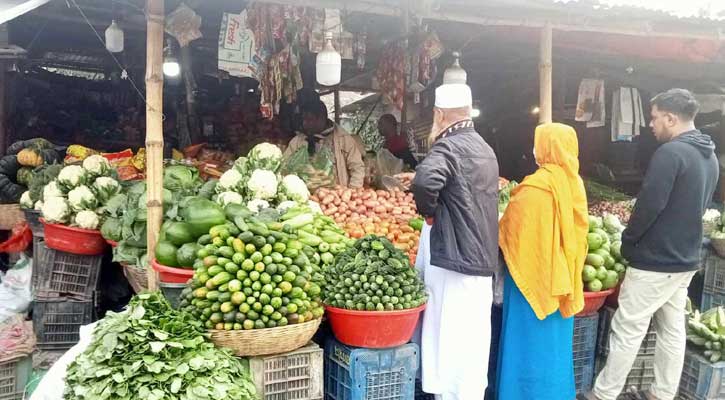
406	42
154	127
545	72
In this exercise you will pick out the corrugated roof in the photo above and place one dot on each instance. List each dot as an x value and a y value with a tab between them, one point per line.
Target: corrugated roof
707	9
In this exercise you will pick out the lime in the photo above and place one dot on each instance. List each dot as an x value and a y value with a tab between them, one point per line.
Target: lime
267	310
254	276
244	308
256	257
265	278
289	276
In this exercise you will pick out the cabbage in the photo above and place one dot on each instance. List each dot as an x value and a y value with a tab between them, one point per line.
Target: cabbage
111	229
180	178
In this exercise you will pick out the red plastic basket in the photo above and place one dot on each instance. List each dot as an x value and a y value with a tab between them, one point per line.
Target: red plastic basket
593	301
73	240
171	274
373	329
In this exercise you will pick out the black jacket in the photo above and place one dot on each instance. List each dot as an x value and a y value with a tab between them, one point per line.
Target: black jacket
664	233
457	184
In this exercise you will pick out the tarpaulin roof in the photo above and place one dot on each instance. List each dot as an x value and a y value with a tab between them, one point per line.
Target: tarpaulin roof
11	9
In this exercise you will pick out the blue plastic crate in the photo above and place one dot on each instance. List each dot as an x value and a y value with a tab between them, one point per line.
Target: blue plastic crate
710	300
584	347
370	374
701	380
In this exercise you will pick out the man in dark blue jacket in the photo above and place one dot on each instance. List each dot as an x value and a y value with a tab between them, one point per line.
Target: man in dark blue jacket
662	243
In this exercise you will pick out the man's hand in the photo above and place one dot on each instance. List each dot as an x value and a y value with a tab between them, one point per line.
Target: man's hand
429	221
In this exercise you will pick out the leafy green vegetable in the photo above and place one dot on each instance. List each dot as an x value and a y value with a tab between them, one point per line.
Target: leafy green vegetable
151	351
180	178
41	177
111	229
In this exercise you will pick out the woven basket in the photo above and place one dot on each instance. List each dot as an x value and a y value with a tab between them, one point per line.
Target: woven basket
10	214
262	342
136	277
719	246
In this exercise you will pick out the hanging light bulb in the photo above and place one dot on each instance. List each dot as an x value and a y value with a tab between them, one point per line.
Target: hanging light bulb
455	73
329	63
171	64
114	38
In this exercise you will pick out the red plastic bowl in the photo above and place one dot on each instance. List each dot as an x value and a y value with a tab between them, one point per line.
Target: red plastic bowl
73	240
593	301
171	274
373	329
613	299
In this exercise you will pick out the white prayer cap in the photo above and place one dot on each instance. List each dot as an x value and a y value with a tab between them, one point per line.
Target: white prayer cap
453	95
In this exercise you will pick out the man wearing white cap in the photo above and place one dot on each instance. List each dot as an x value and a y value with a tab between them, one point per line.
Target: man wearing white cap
456	189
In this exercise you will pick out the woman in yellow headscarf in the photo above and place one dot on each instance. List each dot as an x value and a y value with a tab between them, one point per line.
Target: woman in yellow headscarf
542	237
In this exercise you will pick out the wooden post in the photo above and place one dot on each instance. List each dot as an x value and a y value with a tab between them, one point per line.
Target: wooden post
338	110
406	32
154	127
545	70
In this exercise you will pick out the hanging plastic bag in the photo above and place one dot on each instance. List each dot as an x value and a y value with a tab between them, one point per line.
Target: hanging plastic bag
20	238
317	170
15	294
388	164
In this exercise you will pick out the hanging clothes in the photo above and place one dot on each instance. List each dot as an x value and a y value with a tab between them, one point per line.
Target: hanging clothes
590	107
456	332
627	114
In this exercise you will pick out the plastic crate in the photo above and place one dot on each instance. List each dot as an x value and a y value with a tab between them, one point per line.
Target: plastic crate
14	376
584	346
641	376
710	300
714	275
605	325
58	274
701	380
57	323
33	219
370	374
297	375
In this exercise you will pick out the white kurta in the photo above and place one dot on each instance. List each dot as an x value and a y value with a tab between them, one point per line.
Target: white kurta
456	330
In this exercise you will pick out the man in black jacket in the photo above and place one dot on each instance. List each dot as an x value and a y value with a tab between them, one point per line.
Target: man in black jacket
456	189
662	242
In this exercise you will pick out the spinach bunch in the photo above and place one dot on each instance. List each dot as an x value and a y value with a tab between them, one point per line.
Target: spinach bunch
151	351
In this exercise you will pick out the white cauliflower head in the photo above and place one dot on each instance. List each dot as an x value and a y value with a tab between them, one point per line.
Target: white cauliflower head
265	156
230	180
286	205
256	205
314	207
82	198
87	219
263	184
71	176
295	188
96	165
229	198
25	200
38	205
56	210
106	188
52	189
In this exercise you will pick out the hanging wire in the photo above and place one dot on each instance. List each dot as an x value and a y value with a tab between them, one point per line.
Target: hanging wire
113	56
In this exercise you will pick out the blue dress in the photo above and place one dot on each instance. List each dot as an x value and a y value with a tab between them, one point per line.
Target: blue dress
535	358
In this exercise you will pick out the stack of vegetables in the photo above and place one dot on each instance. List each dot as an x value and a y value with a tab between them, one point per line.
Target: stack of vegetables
78	194
262	270
366	211
151	351
255	181
606	200
373	275
188	213
707	331
605	266
20	165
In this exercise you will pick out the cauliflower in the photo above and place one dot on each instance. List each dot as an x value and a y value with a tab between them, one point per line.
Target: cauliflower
294	188
38	205
229	198
711	215
106	188
230	180
314	207
87	219
256	205
25	200
81	198
56	210
51	190
96	165
71	176
263	184
265	156
286	205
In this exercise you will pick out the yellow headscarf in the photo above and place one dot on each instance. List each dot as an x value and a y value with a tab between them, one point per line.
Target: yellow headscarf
543	232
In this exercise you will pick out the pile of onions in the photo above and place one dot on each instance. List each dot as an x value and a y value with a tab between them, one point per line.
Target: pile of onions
366	211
